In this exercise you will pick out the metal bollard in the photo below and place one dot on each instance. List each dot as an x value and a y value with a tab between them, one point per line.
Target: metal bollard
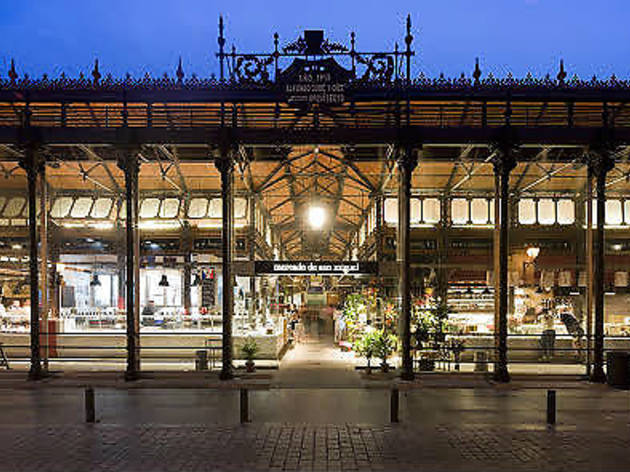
551	407
393	406
244	406
90	410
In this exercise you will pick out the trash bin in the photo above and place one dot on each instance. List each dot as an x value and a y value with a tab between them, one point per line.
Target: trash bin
201	360
481	361
618	369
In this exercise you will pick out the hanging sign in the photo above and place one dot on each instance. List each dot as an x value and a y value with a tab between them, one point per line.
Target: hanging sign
315	267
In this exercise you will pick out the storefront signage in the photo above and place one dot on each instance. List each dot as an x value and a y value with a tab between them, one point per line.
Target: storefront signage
315	267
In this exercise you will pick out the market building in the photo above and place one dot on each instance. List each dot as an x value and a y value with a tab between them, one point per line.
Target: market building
475	219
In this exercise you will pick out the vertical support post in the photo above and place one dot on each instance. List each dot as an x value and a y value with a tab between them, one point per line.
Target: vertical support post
551	407
43	252
394	404
244	404
131	167
589	270
252	258
504	162
496	236
226	167
187	283
600	163
33	164
90	406
407	162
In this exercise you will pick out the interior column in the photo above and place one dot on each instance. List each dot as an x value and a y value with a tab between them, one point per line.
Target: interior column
131	167
504	162
225	166
600	163
407	162
43	252
33	164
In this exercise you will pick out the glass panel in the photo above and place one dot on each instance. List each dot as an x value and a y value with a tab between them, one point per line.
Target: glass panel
546	211
431	210
240	207
101	208
415	209
479	211
169	208
198	208
122	214
491	210
215	209
149	207
14	207
81	207
391	211
613	212
459	211
61	207
626	208
526	211
566	212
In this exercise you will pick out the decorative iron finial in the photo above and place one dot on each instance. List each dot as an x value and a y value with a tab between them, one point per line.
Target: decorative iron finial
96	75
477	71
221	42
276	41
12	73
409	37
561	74
408	41
180	71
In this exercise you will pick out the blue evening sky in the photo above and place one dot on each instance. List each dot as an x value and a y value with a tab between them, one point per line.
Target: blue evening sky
137	36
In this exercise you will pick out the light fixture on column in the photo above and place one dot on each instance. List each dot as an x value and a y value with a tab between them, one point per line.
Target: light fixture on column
95	282
316	216
164	281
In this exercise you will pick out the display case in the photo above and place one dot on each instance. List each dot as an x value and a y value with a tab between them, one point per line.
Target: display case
472	307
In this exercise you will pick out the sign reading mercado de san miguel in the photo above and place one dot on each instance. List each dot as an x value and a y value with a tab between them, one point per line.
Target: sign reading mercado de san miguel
315	267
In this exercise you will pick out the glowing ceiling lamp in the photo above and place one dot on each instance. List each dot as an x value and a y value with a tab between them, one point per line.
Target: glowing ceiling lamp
316	216
532	252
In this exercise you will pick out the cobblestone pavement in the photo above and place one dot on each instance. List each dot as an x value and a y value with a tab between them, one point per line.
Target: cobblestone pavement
271	446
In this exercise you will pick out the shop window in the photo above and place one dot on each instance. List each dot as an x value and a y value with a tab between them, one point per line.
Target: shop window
149	208
81	207
566	212
198	208
459	211
613	212
101	208
431	210
479	211
526	211
169	208
240	208
391	211
415	208
61	207
215	209
546	211
14	207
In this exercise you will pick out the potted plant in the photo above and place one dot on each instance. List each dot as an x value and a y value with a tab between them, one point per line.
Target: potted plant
365	346
384	345
249	350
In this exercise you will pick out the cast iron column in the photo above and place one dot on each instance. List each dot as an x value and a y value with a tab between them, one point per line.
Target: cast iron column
407	162
504	162
32	163
187	246
131	167
600	163
225	166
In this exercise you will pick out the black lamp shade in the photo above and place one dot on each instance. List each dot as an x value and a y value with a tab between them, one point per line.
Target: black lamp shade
95	282
164	281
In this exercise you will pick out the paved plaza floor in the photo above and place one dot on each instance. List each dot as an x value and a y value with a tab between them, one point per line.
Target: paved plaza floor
315	413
